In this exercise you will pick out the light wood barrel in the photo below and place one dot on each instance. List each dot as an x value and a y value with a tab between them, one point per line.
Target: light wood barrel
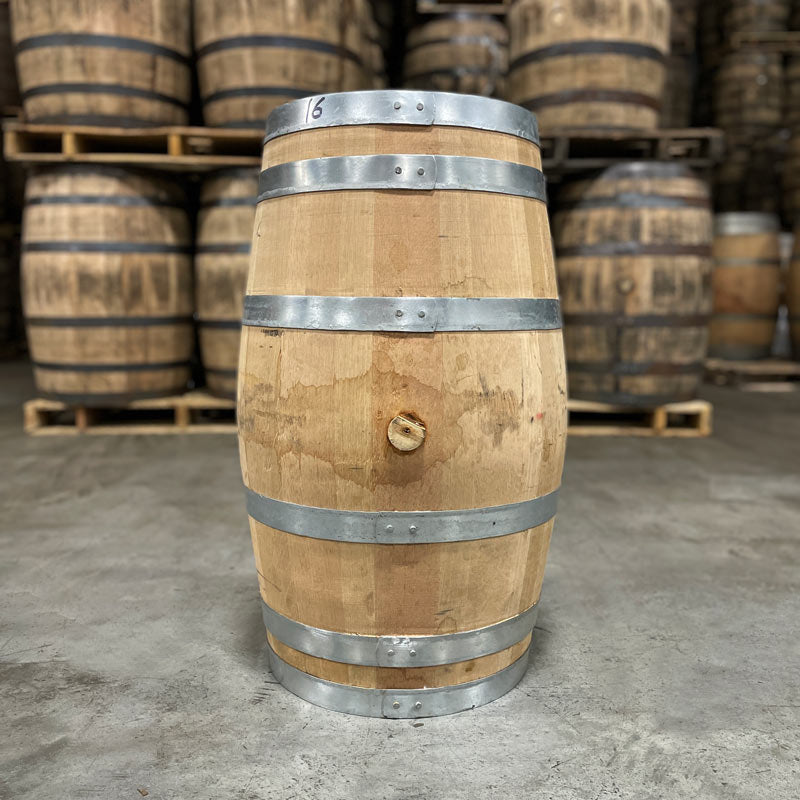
598	65
460	52
401	398
747	277
793	295
107	294
748	92
224	231
634	268
254	55
96	63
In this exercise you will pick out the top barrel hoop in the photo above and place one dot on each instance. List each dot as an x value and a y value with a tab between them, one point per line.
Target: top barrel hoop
402	107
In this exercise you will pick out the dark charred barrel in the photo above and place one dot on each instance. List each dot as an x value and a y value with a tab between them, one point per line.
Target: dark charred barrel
633	247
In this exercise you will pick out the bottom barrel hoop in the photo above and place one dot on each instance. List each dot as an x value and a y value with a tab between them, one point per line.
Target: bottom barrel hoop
110	399
399	650
397	703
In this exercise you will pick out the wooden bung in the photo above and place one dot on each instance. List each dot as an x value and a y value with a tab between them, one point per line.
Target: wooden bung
361	337
634	268
107	284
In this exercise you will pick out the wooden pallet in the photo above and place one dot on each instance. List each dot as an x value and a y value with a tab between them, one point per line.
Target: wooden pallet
690	419
197	149
195	412
169	148
767	375
568	150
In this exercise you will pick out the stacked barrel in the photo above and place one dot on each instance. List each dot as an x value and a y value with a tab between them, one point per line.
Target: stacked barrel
597	65
460	52
676	111
107	284
633	246
748	106
224	231
254	55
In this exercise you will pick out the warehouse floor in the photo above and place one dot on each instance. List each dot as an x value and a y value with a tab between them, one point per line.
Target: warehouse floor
666	660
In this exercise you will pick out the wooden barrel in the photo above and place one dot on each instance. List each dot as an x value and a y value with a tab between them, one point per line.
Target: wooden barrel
793	295
254	55
596	65
634	268
746	284
107	292
458	52
224	231
401	398
743	16
91	64
748	93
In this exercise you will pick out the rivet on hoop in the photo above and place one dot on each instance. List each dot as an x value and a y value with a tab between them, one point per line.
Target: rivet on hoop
397	104
398	170
420	106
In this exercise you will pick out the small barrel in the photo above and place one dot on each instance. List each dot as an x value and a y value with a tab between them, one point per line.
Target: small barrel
748	93
224	231
401	400
254	55
107	289
598	65
90	64
746	284
634	267
459	52
793	295
756	16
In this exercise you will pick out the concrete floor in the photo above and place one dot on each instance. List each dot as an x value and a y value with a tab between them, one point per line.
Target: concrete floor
666	661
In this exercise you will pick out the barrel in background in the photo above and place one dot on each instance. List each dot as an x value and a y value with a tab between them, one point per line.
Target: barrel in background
254	55
96	63
598	65
107	294
746	284
401	399
460	52
224	231
633	247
